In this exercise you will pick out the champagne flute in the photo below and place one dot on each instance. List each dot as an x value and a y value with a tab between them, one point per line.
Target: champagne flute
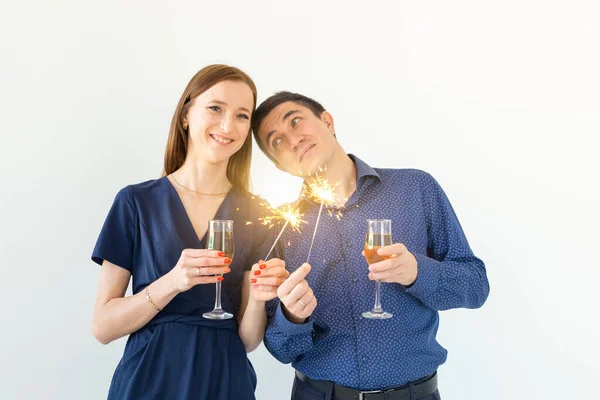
379	234
220	237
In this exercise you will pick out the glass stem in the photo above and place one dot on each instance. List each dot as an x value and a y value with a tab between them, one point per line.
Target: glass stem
377	308
218	298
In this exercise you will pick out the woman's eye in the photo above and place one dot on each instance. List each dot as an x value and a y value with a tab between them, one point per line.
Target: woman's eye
215	108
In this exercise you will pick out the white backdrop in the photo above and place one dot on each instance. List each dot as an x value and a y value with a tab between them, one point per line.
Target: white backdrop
498	100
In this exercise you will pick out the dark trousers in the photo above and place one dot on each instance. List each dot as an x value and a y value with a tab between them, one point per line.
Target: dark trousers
303	391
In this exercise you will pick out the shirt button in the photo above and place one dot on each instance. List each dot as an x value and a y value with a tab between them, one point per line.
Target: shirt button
354	280
349	244
364	359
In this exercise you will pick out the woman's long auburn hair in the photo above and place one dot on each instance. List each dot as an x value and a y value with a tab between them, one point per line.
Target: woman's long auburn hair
238	167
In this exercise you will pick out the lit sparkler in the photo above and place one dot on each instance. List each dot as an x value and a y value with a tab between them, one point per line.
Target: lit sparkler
321	191
288	213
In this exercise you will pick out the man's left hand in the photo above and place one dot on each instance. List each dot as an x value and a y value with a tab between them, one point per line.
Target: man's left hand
400	265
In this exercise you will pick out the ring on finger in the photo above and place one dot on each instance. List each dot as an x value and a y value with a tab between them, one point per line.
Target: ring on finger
198	271
302	303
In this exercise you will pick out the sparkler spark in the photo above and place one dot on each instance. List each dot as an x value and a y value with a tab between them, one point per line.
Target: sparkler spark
288	213
321	191
317	189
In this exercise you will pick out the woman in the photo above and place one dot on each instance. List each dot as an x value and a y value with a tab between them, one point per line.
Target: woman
155	233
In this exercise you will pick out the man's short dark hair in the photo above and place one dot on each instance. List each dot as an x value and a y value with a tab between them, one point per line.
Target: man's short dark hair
272	102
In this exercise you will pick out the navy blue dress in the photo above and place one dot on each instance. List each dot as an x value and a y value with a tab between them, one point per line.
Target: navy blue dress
179	354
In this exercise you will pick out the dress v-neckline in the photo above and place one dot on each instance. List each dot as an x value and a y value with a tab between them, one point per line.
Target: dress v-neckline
190	225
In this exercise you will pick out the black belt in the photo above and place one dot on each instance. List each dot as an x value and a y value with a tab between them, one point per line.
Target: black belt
421	388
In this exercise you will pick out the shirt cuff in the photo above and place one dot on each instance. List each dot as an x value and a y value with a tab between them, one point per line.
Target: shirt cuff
428	277
288	328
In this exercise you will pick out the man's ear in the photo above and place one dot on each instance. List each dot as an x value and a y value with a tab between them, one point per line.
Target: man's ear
328	120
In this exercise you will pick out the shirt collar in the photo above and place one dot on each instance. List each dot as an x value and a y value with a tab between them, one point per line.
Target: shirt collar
363	170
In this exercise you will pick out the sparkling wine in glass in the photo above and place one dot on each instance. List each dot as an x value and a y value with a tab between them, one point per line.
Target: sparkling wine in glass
379	234
220	237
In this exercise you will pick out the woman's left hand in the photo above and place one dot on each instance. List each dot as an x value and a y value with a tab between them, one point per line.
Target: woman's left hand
265	278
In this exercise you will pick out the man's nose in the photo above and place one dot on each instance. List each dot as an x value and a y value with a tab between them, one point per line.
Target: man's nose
296	142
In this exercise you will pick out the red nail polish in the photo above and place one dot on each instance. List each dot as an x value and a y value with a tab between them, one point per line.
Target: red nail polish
252	280
221	254
257	272
227	261
262	266
220	279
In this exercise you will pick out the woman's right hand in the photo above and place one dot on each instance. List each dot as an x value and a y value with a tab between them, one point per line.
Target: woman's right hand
197	267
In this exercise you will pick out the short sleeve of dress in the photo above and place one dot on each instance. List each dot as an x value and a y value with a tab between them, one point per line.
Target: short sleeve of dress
116	241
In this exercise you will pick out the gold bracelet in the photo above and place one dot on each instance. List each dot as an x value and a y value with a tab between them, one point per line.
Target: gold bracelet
150	300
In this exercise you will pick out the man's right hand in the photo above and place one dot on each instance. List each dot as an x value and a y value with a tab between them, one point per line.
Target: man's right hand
296	296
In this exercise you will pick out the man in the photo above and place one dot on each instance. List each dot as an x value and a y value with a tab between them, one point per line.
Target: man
317	323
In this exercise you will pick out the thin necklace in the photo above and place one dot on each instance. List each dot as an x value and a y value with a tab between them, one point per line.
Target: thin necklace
197	192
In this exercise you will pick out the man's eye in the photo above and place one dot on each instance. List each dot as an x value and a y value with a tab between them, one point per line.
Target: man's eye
276	142
295	121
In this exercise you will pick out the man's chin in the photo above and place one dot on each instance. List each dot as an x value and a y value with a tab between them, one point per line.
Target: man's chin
311	168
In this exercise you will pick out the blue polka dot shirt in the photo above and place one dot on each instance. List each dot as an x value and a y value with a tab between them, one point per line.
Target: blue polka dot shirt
337	343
